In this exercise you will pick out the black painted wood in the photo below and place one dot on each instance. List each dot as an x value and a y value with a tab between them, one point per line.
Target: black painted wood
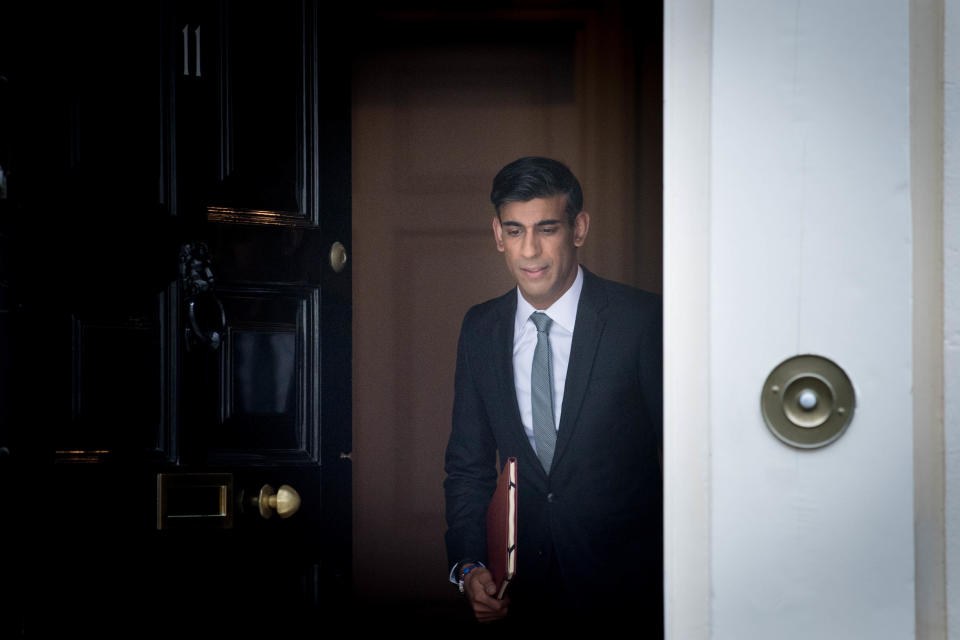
118	159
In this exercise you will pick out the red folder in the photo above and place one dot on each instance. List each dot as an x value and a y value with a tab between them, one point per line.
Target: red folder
502	529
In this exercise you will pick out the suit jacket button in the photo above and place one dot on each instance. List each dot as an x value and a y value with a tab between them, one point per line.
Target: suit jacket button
550	497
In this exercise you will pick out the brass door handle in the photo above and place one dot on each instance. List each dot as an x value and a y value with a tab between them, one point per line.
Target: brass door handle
285	501
338	257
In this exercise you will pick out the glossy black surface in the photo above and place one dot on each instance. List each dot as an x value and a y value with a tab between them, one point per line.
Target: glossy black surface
115	160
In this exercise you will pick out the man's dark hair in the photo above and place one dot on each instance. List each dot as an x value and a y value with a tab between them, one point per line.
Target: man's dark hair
534	177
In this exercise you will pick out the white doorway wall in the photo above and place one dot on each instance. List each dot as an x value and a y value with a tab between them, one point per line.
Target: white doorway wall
951	312
809	207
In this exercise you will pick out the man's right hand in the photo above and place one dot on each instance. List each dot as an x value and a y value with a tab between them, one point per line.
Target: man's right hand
481	590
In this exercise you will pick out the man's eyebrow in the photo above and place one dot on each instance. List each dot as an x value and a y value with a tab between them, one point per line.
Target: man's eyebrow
541	223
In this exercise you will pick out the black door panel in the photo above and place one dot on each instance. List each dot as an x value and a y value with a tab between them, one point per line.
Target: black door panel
142	129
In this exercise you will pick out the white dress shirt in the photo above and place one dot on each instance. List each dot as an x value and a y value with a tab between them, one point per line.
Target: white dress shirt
563	312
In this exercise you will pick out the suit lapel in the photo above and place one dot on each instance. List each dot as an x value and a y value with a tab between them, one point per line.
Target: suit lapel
583	349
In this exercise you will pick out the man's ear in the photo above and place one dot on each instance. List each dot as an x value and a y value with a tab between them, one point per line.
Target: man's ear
498	233
581	226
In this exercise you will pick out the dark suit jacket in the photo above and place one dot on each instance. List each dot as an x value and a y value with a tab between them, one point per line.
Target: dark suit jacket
597	518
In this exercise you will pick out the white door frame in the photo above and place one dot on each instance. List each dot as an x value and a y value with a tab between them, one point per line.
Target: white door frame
934	59
688	31
950	247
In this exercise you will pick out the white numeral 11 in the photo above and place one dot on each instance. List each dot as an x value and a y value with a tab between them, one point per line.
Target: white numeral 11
186	49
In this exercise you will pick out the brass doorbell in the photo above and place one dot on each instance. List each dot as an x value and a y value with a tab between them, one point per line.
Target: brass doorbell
807	401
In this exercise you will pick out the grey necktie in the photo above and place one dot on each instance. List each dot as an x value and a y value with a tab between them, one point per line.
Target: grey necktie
541	392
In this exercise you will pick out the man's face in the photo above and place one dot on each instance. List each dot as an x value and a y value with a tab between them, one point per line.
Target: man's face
540	246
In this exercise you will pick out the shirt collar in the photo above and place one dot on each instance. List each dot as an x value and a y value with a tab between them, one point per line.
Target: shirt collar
563	312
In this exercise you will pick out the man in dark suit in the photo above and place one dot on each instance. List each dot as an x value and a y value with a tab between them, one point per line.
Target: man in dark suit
563	373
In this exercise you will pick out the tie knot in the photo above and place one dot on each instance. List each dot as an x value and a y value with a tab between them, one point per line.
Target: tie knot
541	321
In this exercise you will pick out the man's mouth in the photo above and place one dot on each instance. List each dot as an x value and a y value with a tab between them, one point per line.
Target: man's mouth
533	272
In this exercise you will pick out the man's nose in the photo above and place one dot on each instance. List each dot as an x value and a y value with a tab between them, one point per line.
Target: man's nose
530	246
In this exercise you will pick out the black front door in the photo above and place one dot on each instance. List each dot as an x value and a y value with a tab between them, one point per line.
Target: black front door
175	318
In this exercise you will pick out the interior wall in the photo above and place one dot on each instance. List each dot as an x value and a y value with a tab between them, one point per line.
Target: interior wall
430	131
441	103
